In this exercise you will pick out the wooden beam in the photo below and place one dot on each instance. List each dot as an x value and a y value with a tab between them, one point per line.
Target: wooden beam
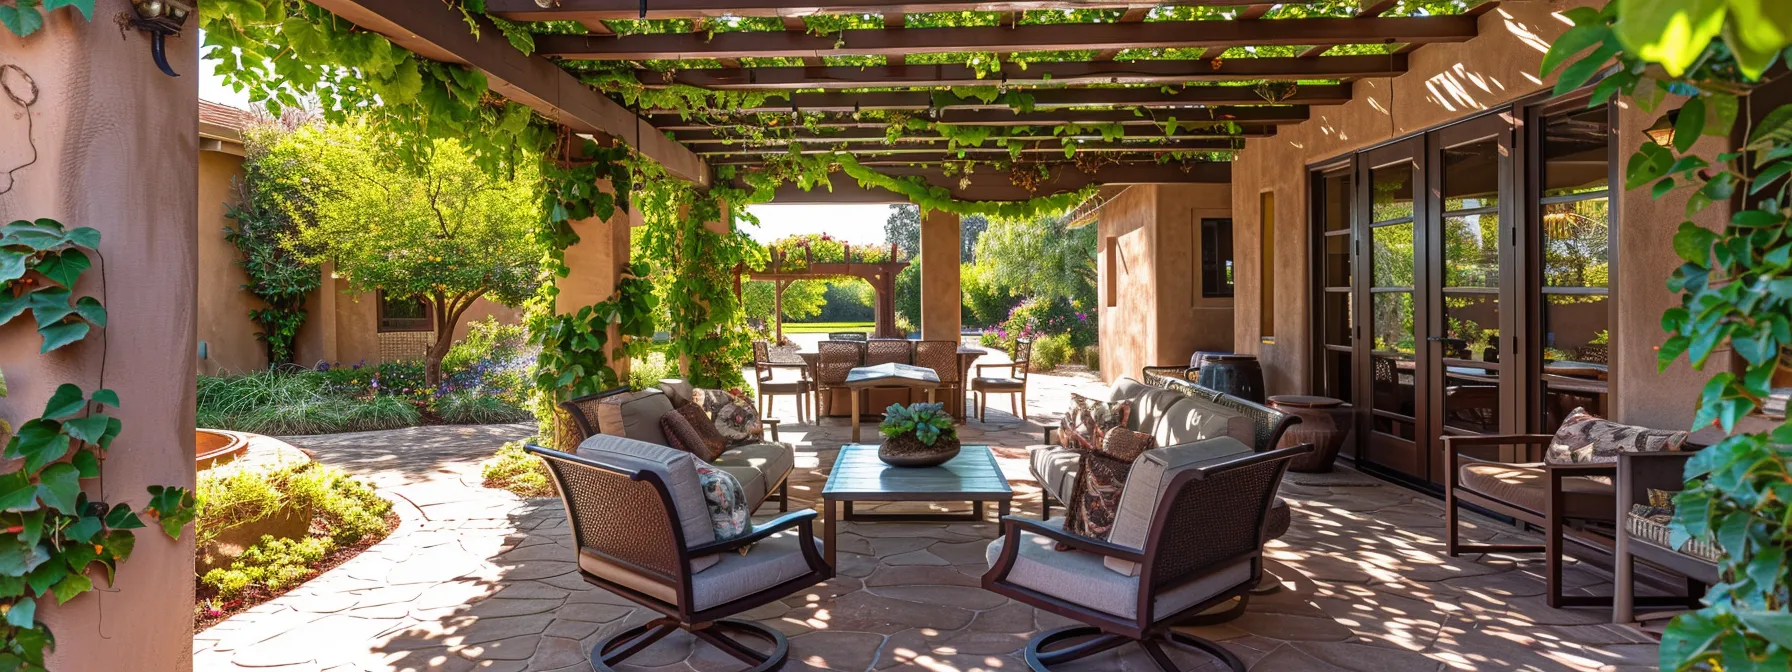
1143	96
1270	114
712	137
1251	13
1132	15
439	33
999	187
1157	34
864	149
894	20
1061	74
574	10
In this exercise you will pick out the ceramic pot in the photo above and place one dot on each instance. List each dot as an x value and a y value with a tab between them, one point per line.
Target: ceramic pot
1320	424
908	451
1238	375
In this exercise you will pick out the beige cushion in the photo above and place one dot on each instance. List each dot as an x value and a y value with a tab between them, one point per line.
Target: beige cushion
677	468
1150	409
1151	476
991	383
759	467
732	576
1078	578
635	415
678	389
1527	486
1054	468
1194	419
1127	389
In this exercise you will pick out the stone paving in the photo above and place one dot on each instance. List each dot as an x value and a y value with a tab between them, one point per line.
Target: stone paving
480	579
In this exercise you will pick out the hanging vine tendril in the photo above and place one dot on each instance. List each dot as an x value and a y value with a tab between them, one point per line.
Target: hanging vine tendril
21	89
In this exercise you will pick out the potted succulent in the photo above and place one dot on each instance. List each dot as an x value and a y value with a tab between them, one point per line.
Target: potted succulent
921	435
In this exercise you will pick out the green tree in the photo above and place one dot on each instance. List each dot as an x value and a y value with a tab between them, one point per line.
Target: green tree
446	232
1044	258
803	299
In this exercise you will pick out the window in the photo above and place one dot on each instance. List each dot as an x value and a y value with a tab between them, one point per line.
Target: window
403	313
1266	267
1216	258
1574	233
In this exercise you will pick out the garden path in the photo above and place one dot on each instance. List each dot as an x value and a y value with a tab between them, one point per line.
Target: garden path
480	579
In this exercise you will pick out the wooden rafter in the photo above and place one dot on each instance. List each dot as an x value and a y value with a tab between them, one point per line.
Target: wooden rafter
1143	96
1269	114
995	186
1061	74
574	10
981	153
1159	34
1132	15
1183	132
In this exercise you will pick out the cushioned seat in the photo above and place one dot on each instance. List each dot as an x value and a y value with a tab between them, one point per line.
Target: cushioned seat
1527	485
1080	578
1055	469
758	466
784	387
997	383
769	563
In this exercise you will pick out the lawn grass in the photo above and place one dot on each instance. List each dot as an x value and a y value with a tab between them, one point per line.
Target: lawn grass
824	327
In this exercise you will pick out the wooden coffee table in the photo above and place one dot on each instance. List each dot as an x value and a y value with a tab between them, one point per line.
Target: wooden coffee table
858	476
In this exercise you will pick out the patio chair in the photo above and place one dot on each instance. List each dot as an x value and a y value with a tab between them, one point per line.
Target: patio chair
762	467
889	351
859	336
942	357
1568	502
1188	536
765	368
834	360
643	531
1014	384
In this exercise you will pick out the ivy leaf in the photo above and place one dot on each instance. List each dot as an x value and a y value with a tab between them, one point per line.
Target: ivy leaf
45	576
58	335
40	443
23	613
90	309
17	492
66	401
105	396
1693	243
84	6
83	529
12	265
65	267
1672	34
86	463
90	429
85	236
1774	626
22	20
1576	40
1690	124
72	586
121	517
59	486
172	506
120	543
50	305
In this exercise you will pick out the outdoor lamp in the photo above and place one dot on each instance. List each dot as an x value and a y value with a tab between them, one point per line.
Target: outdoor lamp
1662	132
160	18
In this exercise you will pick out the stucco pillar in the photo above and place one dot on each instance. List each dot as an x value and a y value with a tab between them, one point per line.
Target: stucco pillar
594	268
941	248
116	150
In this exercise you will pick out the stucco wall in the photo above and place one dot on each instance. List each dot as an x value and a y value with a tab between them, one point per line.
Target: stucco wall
117	143
1186	321
224	325
1447	82
1125	260
1149	291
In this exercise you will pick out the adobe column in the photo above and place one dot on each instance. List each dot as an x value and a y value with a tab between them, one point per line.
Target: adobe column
594	268
105	140
941	316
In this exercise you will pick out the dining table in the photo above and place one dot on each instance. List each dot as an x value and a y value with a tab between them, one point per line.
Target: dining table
967	354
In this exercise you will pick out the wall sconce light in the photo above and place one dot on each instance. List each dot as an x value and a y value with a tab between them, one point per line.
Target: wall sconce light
160	18
1662	132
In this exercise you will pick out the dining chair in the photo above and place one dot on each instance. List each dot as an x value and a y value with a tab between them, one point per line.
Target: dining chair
1014	384
833	361
765	367
942	357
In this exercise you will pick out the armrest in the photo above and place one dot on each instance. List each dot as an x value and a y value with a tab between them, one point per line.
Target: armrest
1049	430
1496	440
802	520
1597	469
1012	527
773	424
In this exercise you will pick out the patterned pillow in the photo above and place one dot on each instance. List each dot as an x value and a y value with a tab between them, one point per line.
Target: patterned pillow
1586	439
727	502
689	430
1100	479
1089	419
734	416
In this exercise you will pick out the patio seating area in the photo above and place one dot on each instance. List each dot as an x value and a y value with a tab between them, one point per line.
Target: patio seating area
478	578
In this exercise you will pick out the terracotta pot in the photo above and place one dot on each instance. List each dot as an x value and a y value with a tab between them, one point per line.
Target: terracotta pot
1238	375
1320	424
908	451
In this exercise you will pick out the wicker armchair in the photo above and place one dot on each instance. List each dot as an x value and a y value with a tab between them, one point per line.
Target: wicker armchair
834	360
889	351
942	357
766	363
1014	384
1188	536
643	532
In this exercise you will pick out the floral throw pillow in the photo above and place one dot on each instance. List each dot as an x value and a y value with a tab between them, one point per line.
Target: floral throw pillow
1585	438
1100	479
688	429
1090	419
734	416
727	502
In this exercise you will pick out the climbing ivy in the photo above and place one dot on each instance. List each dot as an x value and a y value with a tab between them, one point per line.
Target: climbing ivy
698	266
39	264
277	276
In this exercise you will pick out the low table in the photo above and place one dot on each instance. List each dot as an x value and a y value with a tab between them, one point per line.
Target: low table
858	476
888	375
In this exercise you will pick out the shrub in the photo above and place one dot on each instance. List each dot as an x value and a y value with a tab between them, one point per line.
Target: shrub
1092	357
381	412
1036	317
315	415
992	339
468	407
346	509
516	470
1050	351
645	372
488	340
273	564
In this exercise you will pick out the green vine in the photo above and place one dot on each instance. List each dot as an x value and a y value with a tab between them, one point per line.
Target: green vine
708	328
25	17
51	533
276	275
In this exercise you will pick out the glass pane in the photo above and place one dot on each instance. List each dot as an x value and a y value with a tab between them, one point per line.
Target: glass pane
1338	322
1472	176
1393	255
1393	384
1576	244
1574	153
1574	368
1471	327
1472	403
1472	251
1337	261
1337	376
1338	197
1391	323
1391	190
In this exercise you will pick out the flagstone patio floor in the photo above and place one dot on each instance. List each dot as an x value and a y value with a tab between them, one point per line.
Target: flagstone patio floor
481	579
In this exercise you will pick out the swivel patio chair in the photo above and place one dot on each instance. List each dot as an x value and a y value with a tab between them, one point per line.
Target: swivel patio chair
766	363
1188	536
1014	384
643	531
